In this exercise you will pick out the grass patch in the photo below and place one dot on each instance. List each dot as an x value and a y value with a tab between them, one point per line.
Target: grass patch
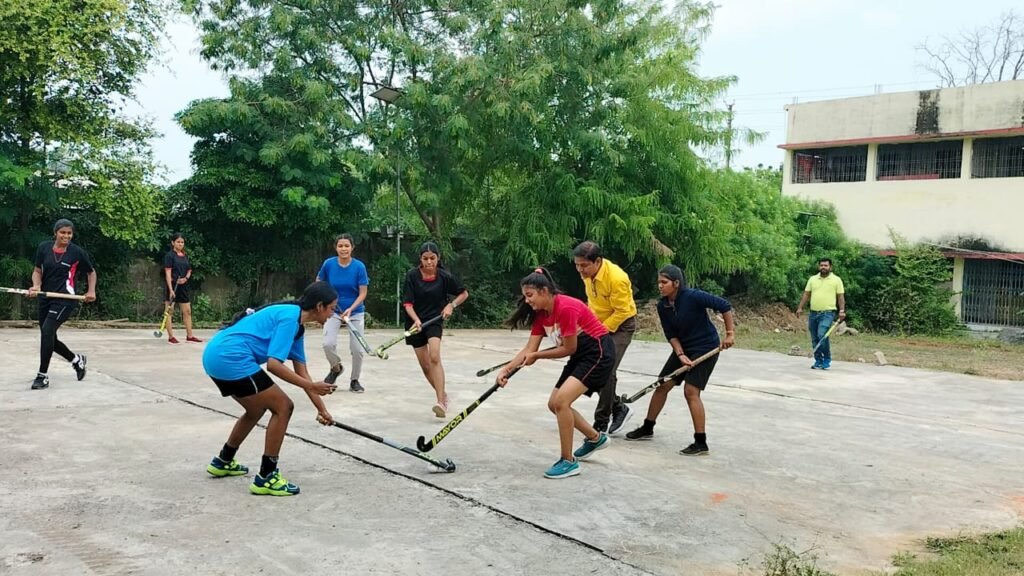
958	354
997	554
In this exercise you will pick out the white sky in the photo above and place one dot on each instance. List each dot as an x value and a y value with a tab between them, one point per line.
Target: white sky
779	50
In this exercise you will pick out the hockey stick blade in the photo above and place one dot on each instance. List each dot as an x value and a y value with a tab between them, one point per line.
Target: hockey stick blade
663	379
427	446
487	371
447	465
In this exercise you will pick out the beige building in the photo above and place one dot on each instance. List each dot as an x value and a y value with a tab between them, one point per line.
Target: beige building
934	166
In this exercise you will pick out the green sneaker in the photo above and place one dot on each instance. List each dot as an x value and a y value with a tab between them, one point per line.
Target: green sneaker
273	485
220	468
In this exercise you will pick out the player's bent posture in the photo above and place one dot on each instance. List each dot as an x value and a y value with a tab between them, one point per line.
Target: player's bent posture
272	335
683	312
57	265
578	334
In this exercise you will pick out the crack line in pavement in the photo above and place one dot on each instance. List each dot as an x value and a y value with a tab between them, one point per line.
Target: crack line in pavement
791	397
372	464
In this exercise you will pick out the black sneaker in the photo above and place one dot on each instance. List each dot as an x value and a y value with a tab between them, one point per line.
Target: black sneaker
641	433
42	382
600	427
619	419
695	450
79	366
355	386
332	376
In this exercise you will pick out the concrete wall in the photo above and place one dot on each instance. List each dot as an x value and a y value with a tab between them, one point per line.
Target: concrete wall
930	210
994	106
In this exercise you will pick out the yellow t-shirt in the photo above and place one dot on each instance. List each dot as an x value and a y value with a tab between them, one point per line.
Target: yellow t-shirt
610	296
824	291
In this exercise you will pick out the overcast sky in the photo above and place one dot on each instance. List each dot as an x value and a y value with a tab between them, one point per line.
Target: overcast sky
780	50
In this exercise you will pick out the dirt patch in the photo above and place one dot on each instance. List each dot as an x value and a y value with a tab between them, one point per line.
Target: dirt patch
769	317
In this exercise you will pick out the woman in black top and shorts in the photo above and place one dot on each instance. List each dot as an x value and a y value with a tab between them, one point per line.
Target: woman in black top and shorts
427	291
177	273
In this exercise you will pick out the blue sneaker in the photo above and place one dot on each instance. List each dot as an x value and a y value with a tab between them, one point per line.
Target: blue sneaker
825	365
220	468
588	447
817	365
563	469
273	485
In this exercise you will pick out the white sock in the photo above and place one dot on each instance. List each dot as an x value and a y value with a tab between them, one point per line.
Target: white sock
78	358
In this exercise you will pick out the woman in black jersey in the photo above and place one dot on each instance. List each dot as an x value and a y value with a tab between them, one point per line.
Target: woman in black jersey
428	289
57	265
177	273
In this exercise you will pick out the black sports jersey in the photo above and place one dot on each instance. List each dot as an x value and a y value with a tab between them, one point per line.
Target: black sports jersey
61	268
429	297
178	264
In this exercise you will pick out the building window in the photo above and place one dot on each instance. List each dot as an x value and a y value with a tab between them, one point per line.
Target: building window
993	293
921	161
998	158
846	164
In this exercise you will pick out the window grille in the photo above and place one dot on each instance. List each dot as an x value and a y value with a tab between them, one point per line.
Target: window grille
993	293
920	161
846	164
998	158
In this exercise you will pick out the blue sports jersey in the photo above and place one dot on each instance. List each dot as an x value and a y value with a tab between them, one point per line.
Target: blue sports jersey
346	280
238	351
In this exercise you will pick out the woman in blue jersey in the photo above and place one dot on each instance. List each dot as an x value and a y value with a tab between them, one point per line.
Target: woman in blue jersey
270	335
348	276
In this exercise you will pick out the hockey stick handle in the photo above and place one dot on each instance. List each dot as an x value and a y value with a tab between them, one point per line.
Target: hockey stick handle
60	295
487	371
447	465
407	333
661	380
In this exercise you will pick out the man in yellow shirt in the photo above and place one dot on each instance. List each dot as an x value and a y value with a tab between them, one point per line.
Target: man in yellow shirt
610	297
826	293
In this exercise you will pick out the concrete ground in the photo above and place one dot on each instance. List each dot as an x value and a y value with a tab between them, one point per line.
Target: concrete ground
107	475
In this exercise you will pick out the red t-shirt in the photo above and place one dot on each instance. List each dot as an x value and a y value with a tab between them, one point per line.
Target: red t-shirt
568	316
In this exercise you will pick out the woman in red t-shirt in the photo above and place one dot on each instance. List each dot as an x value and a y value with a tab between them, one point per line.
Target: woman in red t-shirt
578	334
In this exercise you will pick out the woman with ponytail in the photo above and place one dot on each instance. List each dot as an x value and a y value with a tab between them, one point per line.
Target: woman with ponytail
683	312
578	334
270	335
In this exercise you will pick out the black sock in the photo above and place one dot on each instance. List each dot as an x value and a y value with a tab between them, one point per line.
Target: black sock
649	424
268	465
227	453
701	439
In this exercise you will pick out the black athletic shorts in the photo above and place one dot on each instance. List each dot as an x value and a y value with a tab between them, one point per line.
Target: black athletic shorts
419	339
56	308
247	386
592	363
181	295
697	376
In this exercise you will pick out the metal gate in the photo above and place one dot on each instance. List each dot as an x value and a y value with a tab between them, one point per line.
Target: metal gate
993	293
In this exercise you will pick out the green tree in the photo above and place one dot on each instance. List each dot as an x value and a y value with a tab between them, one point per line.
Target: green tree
527	125
270	177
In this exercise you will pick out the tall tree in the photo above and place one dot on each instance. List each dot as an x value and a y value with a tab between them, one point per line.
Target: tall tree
67	68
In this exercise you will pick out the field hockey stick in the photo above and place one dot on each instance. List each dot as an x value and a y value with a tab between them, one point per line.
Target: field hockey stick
60	295
447	465
363	344
825	337
663	379
168	310
426	446
380	349
487	371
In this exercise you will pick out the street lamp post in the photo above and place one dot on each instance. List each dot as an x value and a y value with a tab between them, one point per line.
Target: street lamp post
389	95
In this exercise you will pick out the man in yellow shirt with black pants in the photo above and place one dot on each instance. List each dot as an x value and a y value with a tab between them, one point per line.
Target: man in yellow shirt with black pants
826	293
610	297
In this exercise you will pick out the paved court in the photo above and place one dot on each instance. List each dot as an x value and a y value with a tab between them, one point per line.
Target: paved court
107	475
